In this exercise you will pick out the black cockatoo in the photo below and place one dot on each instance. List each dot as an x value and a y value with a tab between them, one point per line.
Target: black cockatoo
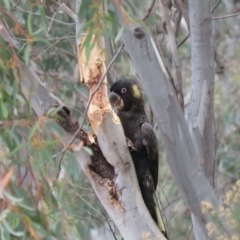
127	99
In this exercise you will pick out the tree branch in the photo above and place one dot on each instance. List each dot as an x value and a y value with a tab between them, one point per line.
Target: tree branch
149	10
176	64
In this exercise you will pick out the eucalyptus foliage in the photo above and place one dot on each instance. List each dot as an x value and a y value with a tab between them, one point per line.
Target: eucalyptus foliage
45	197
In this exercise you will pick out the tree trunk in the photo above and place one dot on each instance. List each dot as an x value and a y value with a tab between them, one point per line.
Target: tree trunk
182	158
201	111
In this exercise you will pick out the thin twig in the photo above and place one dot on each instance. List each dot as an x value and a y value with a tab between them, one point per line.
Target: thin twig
216	5
183	41
38	14
106	219
184	11
178	22
111	230
162	213
50	25
88	204
67	10
186	18
86	110
165	196
177	76
227	15
163	209
189	234
149	10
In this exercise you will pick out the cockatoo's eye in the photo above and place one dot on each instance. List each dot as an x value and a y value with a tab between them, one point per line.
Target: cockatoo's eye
123	90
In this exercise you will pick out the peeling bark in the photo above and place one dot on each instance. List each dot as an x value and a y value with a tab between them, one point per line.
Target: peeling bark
91	71
98	166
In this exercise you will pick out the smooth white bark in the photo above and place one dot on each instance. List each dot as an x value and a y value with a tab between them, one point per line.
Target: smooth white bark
201	111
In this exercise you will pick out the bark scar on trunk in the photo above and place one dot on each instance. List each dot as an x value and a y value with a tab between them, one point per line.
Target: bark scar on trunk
113	191
100	170
91	71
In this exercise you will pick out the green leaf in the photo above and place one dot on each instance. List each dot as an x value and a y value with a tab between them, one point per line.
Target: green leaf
17	148
74	167
58	230
88	150
84	10
8	88
39	30
4	110
40	228
113	19
4	214
34	129
86	26
4	234
12	199
23	205
10	230
7	4
54	127
27	52
119	34
29	22
106	33
88	45
43	19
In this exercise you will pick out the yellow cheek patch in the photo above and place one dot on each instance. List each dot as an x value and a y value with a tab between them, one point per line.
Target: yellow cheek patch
136	91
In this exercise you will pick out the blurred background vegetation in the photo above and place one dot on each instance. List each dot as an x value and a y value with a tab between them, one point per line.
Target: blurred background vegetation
37	204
